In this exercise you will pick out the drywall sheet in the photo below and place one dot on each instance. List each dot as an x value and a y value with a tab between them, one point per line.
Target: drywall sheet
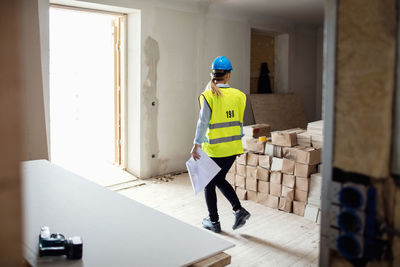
365	68
115	230
281	111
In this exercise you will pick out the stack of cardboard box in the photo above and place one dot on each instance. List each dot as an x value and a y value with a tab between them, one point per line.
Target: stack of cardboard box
276	172
316	129
313	207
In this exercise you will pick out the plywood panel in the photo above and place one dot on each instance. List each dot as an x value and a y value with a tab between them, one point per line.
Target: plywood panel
116	231
10	135
281	111
366	55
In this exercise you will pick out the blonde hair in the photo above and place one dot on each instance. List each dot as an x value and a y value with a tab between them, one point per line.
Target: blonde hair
217	76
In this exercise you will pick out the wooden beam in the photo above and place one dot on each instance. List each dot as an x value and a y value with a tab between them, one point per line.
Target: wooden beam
220	260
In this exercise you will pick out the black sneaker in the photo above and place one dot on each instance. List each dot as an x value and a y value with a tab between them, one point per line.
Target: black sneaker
212	226
240	218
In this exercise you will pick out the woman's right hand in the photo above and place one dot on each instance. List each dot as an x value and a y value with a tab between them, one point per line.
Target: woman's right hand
194	153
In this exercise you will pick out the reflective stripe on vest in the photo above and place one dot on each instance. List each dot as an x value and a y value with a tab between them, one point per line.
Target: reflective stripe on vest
224	124
224	139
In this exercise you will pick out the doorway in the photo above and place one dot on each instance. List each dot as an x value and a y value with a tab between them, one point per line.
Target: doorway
262	64
87	91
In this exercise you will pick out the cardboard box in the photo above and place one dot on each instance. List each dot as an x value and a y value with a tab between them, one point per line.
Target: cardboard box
265	161
273	150
263	187
251	172
233	168
303	170
275	189
262	174
275	177
230	177
251	184
309	155
302	183
289	152
242	159
289	180
299	208
261	197
276	164
240	181
241	193
257	130
287	166
252	159
316	183
241	169
253	145
319	217
304	139
285	204
288	193
311	213
300	195
272	202
252	195
284	138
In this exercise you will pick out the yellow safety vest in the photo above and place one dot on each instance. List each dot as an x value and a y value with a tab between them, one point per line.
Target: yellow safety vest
223	133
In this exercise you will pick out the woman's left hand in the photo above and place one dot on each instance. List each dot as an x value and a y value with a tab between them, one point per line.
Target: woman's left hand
194	153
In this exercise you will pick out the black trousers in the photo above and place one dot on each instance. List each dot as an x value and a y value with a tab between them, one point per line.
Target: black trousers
226	189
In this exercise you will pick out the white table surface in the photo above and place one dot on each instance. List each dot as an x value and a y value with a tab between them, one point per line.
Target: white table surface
116	230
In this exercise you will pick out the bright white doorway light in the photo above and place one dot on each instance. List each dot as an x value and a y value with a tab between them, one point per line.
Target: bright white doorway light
83	105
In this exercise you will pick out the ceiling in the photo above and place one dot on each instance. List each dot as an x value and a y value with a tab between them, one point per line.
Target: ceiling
297	11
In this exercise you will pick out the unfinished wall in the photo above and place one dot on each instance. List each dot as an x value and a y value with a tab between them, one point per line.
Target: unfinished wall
186	37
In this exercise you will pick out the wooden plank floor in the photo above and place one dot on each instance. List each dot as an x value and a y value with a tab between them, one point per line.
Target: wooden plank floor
269	238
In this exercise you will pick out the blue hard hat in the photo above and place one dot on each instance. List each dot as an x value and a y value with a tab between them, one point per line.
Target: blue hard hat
221	63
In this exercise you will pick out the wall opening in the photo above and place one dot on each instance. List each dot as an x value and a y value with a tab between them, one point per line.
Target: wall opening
262	72
86	90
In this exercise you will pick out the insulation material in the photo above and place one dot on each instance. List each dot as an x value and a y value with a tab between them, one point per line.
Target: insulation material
280	111
365	71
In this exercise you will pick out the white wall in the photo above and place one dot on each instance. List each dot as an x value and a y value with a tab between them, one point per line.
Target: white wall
171	68
303	69
318	94
282	52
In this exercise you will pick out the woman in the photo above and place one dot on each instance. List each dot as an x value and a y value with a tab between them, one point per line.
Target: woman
219	132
